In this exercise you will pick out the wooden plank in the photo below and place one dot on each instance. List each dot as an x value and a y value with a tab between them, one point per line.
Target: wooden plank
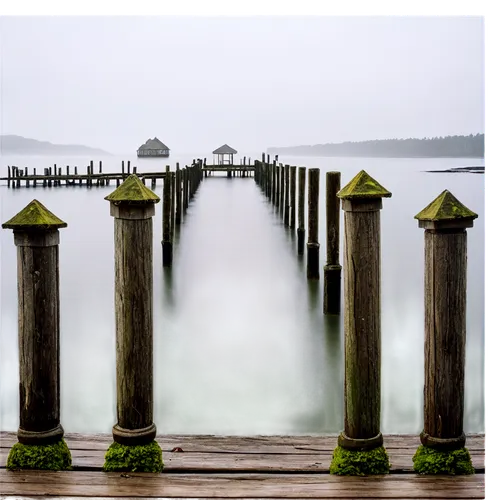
88	484
238	462
238	444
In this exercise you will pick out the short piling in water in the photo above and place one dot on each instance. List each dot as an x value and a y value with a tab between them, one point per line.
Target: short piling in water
293	196
287	196
134	447
360	446
312	225
166	242
40	434
443	440
173	191
332	269
301	231
274	187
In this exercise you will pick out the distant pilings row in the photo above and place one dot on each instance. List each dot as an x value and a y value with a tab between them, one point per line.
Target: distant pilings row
279	183
55	176
445	219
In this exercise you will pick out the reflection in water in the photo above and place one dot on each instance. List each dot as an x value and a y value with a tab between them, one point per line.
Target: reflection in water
241	345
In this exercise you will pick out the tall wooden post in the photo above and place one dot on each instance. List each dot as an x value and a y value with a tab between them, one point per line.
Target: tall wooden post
287	195
362	201
445	221
132	206
312	225
332	269
36	235
301	231
293	196
166	242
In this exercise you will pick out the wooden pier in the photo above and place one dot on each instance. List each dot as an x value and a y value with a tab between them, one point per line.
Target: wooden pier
240	467
55	176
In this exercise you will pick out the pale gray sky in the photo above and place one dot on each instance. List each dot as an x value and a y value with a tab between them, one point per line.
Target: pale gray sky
251	82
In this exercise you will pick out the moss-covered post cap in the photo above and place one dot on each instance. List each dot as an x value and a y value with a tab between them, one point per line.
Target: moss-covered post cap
363	193
445	212
35	217
132	200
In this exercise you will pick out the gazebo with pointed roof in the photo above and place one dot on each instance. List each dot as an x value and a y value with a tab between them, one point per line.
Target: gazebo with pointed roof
222	152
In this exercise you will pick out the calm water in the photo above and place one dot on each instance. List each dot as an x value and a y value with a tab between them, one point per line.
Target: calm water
241	344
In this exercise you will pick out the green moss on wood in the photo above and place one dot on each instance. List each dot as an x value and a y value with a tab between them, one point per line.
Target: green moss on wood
363	186
445	207
359	463
430	461
54	456
132	191
34	216
141	458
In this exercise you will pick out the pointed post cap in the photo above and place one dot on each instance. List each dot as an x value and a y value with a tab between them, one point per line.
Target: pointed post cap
132	192
445	212
363	186
35	216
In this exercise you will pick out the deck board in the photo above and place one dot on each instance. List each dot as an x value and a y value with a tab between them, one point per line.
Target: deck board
239	467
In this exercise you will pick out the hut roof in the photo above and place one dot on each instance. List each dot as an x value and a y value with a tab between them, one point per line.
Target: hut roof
225	150
153	144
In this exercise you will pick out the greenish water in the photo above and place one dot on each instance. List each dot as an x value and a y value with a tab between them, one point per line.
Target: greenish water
241	344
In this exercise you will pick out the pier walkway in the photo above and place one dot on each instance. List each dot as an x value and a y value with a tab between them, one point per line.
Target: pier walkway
240	467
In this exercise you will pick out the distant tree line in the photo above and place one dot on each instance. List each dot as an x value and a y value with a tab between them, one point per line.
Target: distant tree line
457	146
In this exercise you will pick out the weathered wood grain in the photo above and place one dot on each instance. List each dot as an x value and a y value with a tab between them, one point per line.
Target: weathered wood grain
401	461
362	326
134	322
312	224
237	485
445	307
248	444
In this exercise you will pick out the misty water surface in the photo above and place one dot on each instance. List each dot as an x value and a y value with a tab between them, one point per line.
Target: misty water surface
240	342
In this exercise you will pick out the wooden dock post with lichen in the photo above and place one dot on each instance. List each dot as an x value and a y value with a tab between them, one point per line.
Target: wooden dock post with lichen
134	447
333	269
360	446
443	440
166	242
312	225
40	434
301	231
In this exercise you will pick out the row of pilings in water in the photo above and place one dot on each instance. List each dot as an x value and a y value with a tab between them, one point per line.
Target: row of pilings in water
445	219
279	184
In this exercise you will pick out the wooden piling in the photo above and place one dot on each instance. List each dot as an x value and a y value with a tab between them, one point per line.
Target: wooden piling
36	235
312	224
184	190
333	269
132	206
301	231
173	191
445	221
128	167
361	202
166	241
293	196
178	195
287	195
282	190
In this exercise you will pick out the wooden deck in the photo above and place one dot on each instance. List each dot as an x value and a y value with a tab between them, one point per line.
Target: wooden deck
240	467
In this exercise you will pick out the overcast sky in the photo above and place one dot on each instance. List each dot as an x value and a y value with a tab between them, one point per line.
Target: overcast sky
251	82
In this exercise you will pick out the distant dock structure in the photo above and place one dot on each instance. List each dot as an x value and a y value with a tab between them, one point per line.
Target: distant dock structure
222	153
153	148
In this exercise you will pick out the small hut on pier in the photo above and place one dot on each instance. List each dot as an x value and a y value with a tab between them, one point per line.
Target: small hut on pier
153	147
222	152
